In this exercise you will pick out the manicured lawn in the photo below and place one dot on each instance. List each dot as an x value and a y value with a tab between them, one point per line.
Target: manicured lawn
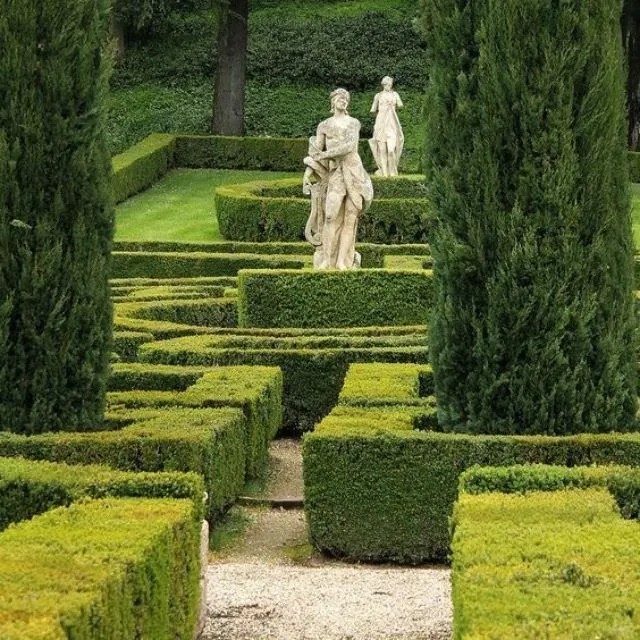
181	206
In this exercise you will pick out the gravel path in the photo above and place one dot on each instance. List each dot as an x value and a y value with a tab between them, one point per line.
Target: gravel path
250	601
285	469
258	590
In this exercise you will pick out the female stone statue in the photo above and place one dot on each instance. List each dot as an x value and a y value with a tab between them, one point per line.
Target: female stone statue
388	139
342	191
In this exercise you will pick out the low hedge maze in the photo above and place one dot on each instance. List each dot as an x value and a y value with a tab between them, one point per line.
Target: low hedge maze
380	481
544	552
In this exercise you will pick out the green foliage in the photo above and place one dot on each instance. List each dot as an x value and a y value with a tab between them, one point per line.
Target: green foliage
140	166
378	384
380	484
126	343
304	45
29	487
533	329
271	210
553	564
353	51
283	112
142	264
622	482
226	152
358	298
141	15
209	312
209	442
56	217
114	568
313	362
256	390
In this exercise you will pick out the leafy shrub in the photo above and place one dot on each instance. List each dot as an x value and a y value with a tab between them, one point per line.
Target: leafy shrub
534	329
379	384
313	362
56	215
210	442
29	487
256	211
559	564
142	264
113	568
378	489
141	165
126	343
256	390
634	166
295	45
365	297
212	312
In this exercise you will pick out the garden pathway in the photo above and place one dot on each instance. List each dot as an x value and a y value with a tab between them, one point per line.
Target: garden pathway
271	584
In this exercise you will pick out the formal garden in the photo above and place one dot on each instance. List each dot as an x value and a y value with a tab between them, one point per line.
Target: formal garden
463	406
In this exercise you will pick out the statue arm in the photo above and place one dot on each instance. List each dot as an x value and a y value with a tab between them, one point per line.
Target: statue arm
374	106
399	102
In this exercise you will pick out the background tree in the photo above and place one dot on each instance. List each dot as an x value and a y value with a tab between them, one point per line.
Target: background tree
631	39
231	68
56	216
533	330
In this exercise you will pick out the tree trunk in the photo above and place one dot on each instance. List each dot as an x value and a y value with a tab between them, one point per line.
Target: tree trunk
117	33
631	36
231	71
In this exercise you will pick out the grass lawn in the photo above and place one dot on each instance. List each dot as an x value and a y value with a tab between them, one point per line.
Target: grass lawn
181	206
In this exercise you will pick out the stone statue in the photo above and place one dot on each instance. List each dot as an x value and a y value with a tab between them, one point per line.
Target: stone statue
388	139
339	186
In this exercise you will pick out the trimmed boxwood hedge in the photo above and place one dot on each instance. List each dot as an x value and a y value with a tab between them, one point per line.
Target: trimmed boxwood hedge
122	568
29	487
126	343
143	264
256	390
361	297
210	442
206	312
380	384
378	489
141	165
313	362
253	212
622	482
559	564
227	152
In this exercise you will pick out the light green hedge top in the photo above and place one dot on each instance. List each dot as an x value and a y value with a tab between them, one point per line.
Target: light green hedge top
560	564
28	487
371	384
101	569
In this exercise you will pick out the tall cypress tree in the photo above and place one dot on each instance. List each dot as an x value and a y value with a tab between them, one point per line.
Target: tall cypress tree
56	215
533	329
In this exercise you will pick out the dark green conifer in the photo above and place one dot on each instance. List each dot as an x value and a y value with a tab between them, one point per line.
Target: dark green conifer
56	215
533	330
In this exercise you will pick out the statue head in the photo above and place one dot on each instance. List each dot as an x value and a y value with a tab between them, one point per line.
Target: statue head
387	82
339	94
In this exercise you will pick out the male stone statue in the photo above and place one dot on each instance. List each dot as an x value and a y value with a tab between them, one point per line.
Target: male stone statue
342	190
